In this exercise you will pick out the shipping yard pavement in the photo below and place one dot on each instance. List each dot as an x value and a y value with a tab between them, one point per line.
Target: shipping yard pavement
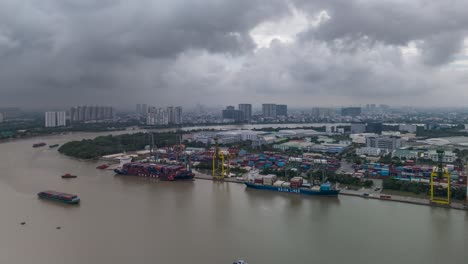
360	193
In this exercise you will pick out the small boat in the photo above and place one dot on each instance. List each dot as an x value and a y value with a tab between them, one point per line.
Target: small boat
102	167
68	176
38	145
53	146
240	262
59	196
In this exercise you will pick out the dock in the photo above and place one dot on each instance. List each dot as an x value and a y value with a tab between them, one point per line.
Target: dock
403	199
375	196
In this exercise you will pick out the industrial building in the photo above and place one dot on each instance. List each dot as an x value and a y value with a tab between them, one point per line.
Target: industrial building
368	151
408	128
357	128
449	156
405	154
383	142
375	128
307	146
55	119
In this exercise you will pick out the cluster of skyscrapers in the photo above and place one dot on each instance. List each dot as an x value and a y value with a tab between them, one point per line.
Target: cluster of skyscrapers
274	110
160	116
91	113
351	111
244	112
55	119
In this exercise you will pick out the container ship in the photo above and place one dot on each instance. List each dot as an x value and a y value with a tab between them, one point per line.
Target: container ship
38	145
295	185
59	196
164	172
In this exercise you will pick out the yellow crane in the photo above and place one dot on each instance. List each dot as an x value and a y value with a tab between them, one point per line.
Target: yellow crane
440	172
218	162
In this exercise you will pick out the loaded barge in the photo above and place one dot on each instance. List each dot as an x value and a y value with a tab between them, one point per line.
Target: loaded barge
59	196
38	145
164	172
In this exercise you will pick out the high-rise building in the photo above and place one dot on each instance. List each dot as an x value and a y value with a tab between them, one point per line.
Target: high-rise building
61	118
73	115
50	119
138	109
246	110
269	110
152	116
231	113
163	118
351	111
178	115
322	112
144	109
170	114
91	113
55	119
281	110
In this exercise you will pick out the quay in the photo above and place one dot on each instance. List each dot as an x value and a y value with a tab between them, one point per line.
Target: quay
393	198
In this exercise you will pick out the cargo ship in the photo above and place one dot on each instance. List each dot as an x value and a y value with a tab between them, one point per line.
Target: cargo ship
68	176
59	196
164	172
295	185
38	145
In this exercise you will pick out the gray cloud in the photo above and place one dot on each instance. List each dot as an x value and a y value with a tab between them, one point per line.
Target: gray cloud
439	25
65	52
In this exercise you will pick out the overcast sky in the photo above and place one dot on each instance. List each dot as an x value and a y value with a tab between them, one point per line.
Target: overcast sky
220	52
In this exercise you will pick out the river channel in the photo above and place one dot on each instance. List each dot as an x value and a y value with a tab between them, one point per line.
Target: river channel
136	220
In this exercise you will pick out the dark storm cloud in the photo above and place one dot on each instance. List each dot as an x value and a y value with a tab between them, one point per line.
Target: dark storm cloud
74	46
439	26
65	52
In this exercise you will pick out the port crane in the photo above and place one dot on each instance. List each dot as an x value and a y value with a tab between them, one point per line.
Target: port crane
218	162
440	172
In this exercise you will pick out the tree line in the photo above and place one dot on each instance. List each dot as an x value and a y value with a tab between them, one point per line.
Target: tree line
106	145
458	193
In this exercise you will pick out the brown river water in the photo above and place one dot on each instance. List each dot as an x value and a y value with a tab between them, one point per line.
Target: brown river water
137	220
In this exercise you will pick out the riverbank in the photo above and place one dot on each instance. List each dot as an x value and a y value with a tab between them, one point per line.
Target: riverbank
186	128
374	196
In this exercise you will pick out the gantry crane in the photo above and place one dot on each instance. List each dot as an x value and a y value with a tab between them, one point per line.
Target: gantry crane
440	172
218	162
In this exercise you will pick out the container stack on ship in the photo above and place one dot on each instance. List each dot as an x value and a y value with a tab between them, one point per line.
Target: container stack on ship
295	185
162	171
